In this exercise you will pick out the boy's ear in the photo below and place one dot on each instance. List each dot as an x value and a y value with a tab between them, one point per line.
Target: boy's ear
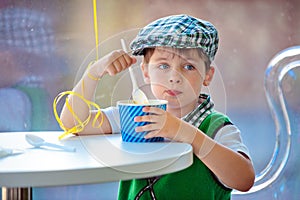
209	75
145	71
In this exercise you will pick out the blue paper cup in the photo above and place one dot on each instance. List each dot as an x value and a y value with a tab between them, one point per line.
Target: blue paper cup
128	111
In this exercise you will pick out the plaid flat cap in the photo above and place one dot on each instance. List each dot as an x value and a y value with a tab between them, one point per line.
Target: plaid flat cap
178	31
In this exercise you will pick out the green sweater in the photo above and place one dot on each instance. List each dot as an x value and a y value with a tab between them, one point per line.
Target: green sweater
194	182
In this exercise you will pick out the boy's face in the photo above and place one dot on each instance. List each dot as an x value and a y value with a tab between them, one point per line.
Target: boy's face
176	77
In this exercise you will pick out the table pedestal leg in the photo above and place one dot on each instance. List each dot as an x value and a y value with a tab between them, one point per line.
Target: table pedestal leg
16	193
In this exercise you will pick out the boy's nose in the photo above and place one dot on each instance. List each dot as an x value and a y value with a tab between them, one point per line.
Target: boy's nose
175	78
174	81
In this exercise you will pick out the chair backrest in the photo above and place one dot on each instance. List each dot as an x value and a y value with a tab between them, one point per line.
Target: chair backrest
283	96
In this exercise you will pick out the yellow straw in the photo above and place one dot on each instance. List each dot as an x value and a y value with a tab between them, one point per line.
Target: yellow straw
80	124
96	27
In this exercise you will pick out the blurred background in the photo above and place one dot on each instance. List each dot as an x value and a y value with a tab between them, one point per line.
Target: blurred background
46	45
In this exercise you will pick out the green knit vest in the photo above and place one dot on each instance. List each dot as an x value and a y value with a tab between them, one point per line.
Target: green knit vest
194	182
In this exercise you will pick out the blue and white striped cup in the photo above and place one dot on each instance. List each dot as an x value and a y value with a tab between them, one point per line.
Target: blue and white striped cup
128	111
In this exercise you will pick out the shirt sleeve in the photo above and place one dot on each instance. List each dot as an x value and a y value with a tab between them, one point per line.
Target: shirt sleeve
112	114
230	136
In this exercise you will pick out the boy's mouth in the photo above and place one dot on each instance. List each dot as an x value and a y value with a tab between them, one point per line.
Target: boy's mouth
173	92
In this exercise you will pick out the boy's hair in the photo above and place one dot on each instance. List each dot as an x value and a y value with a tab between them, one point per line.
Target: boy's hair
148	52
177	31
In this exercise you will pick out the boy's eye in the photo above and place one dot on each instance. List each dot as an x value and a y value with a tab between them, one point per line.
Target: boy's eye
163	66
189	67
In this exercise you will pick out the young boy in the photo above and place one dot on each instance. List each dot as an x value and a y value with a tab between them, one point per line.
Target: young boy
178	51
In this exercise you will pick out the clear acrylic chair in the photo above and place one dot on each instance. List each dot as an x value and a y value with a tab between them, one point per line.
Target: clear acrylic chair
280	178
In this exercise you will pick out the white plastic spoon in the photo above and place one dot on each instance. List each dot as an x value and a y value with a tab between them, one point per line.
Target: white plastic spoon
138	95
8	152
36	141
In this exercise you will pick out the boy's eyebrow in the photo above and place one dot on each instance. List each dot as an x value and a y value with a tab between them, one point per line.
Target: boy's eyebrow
161	58
166	58
192	60
189	58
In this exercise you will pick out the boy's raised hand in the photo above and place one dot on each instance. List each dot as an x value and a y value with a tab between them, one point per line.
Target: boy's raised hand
112	63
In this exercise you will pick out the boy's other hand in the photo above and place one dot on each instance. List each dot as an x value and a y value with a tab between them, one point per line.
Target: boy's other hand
112	63
164	124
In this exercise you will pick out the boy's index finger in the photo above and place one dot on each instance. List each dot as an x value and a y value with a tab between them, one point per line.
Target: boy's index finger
130	60
151	109
128	56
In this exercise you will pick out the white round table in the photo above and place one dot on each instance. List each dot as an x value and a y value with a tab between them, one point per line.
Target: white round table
98	158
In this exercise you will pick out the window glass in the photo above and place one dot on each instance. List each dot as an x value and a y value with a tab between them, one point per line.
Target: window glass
44	46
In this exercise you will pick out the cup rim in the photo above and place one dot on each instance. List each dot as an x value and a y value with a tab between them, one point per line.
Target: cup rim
152	102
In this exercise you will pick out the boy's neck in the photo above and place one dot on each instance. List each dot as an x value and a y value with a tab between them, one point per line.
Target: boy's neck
182	111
